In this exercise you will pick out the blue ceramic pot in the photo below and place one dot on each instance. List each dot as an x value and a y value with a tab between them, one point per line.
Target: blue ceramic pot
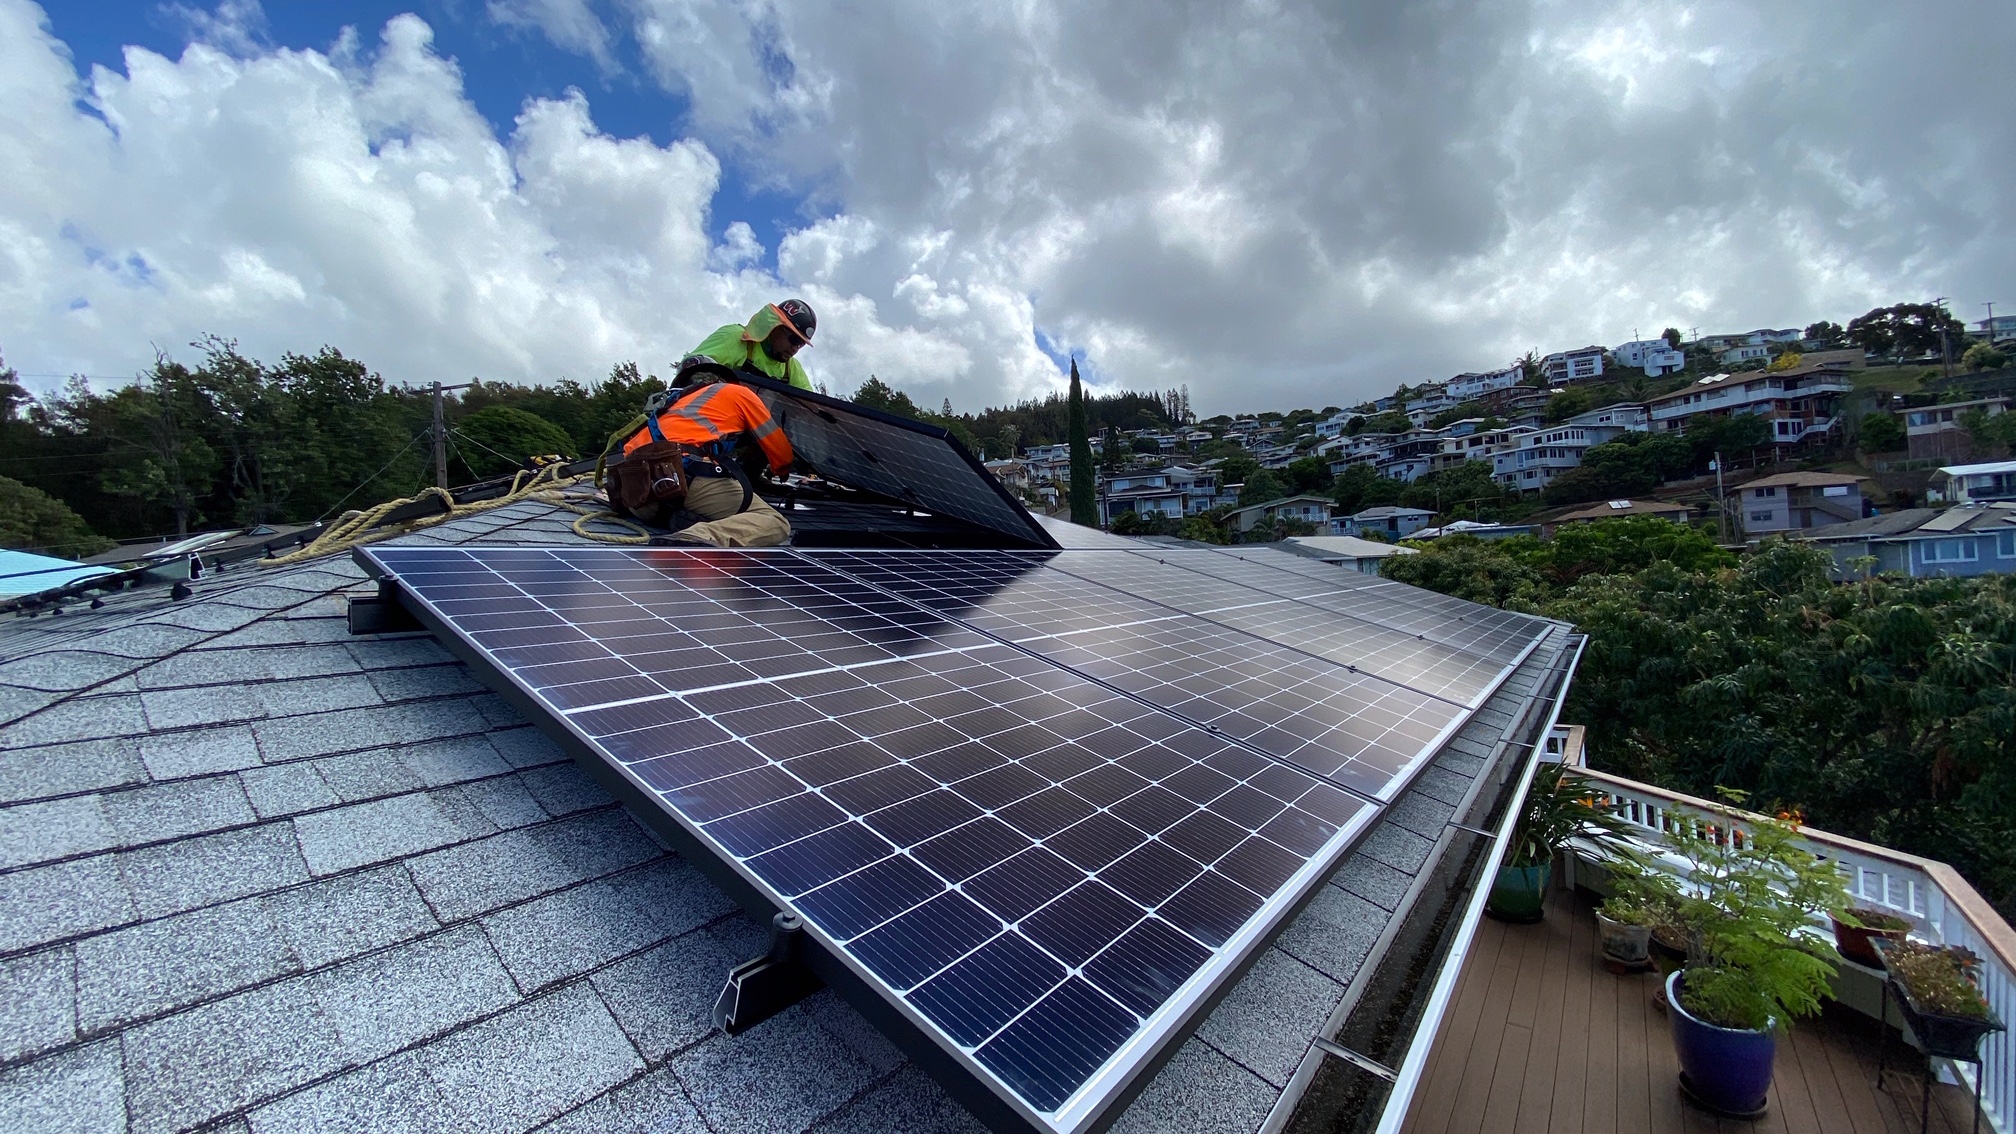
1724	1069
1520	892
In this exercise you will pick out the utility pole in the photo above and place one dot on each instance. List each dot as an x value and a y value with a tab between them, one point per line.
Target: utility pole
1990	327
1945	353
440	432
1721	502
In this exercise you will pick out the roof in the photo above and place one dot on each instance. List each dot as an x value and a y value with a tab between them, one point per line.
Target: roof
1350	546
1689	388
1387	511
1981	469
1612	508
1916	523
1804	480
24	572
1280	500
256	870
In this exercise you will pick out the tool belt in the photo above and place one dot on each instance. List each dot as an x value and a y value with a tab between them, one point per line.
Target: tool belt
661	471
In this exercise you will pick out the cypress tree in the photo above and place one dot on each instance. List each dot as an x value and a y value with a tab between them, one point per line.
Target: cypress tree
1084	504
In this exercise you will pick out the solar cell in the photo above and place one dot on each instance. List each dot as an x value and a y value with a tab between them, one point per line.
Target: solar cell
905	460
1043	876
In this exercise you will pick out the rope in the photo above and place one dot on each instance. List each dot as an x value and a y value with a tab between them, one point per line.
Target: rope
353	529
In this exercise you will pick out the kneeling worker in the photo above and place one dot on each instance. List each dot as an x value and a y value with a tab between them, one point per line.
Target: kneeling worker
705	422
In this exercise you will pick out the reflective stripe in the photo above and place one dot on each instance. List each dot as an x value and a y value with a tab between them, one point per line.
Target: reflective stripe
765	429
689	409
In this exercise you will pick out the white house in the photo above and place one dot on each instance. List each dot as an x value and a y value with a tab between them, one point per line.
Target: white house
1743	352
1630	416
1796	405
1533	461
1361	555
1654	356
1973	484
1470	387
1796	501
1581	364
1386	520
1939	433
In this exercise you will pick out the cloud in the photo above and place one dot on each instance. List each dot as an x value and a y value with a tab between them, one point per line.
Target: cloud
1275	203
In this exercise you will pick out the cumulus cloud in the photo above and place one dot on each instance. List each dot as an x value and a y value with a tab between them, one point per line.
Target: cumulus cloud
1274	202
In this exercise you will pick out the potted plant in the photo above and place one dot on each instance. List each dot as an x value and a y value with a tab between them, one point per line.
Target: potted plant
1939	989
1856	927
1557	808
1642	898
1753	962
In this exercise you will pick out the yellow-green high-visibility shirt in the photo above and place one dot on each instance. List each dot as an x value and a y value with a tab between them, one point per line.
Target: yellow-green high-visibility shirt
738	345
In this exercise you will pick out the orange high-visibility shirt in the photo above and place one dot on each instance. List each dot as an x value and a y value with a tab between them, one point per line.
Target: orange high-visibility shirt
718	412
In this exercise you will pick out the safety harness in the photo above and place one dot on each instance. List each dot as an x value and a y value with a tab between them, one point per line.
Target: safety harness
662	470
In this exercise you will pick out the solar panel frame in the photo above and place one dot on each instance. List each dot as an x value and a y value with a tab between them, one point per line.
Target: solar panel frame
1095	1097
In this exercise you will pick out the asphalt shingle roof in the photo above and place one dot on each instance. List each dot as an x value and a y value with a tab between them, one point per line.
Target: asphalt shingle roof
257	874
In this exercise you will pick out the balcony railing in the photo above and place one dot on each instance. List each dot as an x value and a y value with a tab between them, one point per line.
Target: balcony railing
1942	907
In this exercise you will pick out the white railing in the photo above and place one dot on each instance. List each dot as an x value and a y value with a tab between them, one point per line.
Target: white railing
1942	907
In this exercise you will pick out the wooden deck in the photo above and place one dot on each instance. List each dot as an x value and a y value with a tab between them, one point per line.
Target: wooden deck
1539	1037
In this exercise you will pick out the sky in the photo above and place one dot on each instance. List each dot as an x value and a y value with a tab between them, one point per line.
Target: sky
1275	204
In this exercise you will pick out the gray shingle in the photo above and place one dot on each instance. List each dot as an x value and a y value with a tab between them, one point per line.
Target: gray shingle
81	1091
1374	881
63	671
68	898
203	752
183	708
761	1080
532	1063
391	652
1441	783
430	681
371	774
1422	814
1333	933
316	695
1265	1023
173	877
350	730
348	915
498	711
143	970
653	1104
365	833
1397	847
192	1066
16	702
564	788
81	718
393	1096
38	1003
61	769
170	811
490	805
526	747
145	641
381	1002
1199	1089
575	930
246	665
479	876
910	1101
57	828
443	762
665	998
285	789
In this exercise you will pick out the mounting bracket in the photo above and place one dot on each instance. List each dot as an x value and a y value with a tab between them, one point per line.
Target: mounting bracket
382	613
761	988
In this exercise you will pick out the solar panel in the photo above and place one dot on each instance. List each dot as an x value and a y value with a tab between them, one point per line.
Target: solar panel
918	464
1044	876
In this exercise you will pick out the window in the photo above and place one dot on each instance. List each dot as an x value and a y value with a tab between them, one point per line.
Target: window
1764	492
1760	517
1949	551
2005	544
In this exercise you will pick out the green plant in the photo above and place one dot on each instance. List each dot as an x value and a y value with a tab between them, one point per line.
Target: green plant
1752	894
1861	917
1559	807
1640	893
1942	979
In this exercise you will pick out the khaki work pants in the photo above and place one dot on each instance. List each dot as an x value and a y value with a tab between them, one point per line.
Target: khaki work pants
719	498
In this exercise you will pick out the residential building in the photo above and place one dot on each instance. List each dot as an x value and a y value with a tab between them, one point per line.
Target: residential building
1333	426
1013	474
1532	461
1743	353
1971	484
1938	433
1995	330
1175	491
1581	364
1780	337
1654	356
1797	406
1798	501
1612	509
1310	509
1716	344
1975	539
1470	387
1632	417
1478	528
1350	552
1387	520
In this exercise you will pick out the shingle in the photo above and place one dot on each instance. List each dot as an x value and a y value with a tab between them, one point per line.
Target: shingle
316	695
479	876
575	930
430	681
1265	1023
1397	847
178	876
62	769
80	718
532	1063
63	671
345	916
57	828
16	702
206	751
1422	814
653	1104
170	811
285	789
68	898
1199	1089
1441	783
490	805
525	747
144	641
390	652
1333	933
1374	881
371	774
244	665
443	762
393	1096
498	711
349	730
383	1001
564	788
364	833
762	1079
81	1091
665	998
143	970
910	1101
211	705
38	1003
192	1066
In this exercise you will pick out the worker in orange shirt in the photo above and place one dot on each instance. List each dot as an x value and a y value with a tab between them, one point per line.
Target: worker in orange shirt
698	433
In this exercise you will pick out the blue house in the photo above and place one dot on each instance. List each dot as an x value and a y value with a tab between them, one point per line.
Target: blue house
1976	539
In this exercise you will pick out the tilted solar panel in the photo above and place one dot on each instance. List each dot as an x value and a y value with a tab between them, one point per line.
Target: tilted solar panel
1036	876
919	464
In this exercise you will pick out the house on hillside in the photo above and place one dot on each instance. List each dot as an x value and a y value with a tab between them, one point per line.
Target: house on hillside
1470	387
1655	357
1798	501
1389	521
1613	509
1309	508
1971	484
1532	460
1578	365
1361	555
1926	542
1795	406
1938	433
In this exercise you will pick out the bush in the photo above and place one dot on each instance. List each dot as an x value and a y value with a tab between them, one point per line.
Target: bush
1880	433
499	439
33	520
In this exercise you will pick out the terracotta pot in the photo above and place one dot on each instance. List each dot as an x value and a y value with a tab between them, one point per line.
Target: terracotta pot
1854	942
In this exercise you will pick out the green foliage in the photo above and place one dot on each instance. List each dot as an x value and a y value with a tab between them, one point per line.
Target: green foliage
1146	445
1989	432
1880	432
1944	980
1084	505
1748	904
1308	474
499	439
1360	487
1112	451
1905	329
1470	568
1984	356
1829	334
1463	491
1672	337
1392	421
1277	528
1632	465
1524	573
1461	413
1559	807
1262	485
1728	434
33	520
1207	528
1132	523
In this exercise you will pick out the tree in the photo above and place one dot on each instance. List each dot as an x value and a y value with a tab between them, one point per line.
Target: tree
879	395
1786	360
1880	433
1308	474
1084	504
1392	421
500	439
1906	329
157	458
1466	491
1360	487
1529	370
1567	404
1827	334
1983	356
1262	486
33	520
1728	434
1632	465
1989	433
1672	337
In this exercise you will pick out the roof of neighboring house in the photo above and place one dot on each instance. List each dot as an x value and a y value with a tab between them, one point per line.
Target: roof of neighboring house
25	573
1912	523
1612	508
1980	469
1693	387
1278	501
1350	547
1804	480
259	872
1389	511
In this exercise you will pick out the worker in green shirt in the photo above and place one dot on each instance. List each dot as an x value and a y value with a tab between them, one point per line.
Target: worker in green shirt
767	344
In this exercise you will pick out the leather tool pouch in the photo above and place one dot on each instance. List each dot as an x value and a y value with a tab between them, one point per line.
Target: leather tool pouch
651	474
